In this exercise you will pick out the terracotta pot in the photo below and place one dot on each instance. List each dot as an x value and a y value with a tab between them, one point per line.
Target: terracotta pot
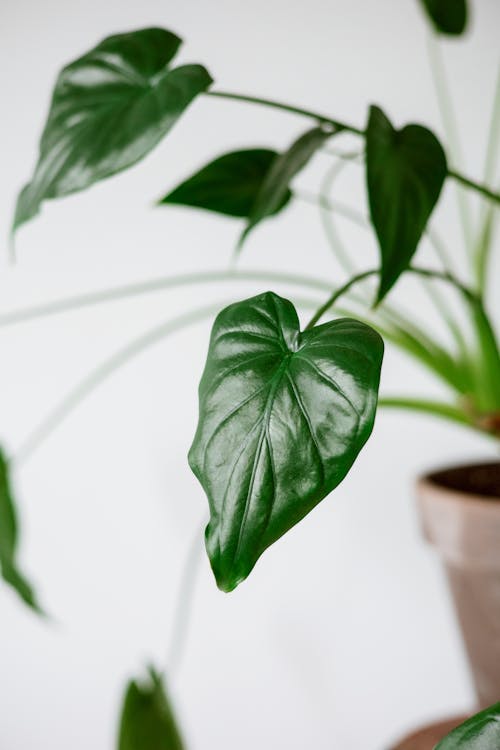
460	512
428	737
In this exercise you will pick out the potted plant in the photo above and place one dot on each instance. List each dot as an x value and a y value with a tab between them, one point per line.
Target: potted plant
284	412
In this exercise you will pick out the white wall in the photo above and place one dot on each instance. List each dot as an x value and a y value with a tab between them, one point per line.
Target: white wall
343	637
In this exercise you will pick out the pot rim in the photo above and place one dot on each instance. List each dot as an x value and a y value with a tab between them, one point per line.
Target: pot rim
430	481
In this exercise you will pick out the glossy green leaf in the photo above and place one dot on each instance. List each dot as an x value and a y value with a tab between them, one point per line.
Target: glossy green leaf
481	732
283	415
109	109
276	185
147	721
447	16
405	172
228	185
9	538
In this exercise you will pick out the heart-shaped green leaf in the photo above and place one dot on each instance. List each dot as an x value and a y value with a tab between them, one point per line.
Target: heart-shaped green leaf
481	732
109	109
447	16
283	415
275	187
147	720
405	172
228	185
8	540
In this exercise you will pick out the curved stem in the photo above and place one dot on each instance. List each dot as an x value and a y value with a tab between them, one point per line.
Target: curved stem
153	285
426	272
103	371
286	108
491	157
484	190
439	248
449	121
185	602
338	293
339	126
438	408
328	206
333	206
356	217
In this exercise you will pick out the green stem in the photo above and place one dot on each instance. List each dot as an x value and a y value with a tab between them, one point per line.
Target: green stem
491	157
482	189
356	217
338	293
185	601
438	408
449	121
338	126
333	206
439	248
425	272
104	370
286	108
445	312
328	206
326	209
153	285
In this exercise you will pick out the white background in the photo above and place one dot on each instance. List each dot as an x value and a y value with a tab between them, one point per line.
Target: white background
343	637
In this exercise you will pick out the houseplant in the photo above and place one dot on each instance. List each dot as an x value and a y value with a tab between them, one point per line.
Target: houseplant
473	414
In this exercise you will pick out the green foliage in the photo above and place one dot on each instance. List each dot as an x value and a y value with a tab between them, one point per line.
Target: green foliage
228	185
283	415
275	187
109	109
405	171
147	720
486	389
447	16
9	539
481	732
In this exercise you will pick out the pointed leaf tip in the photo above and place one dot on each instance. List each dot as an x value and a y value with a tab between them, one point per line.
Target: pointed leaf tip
405	172
9	540
276	184
109	109
283	415
147	720
229	184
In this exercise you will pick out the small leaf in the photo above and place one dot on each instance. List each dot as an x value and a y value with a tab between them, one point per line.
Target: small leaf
109	109
405	172
481	732
283	415
447	16
147	720
276	185
8	540
228	185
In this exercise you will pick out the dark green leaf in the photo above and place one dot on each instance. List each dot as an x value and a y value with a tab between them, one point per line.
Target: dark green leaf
283	415
405	172
228	185
275	187
109	109
8	540
147	721
481	732
448	16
